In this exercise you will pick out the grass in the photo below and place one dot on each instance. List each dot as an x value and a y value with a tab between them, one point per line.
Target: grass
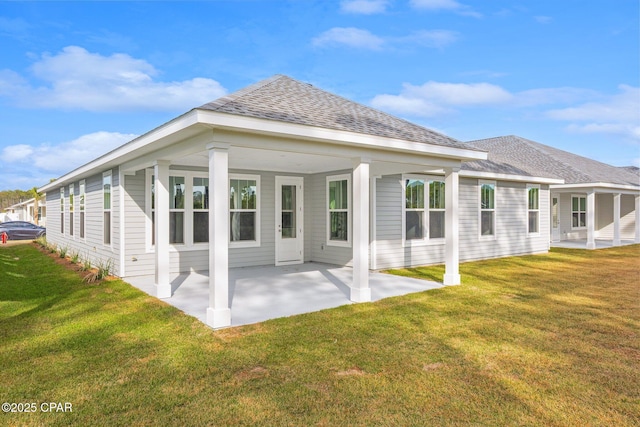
539	340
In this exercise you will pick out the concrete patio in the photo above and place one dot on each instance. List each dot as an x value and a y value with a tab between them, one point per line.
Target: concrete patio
582	243
261	293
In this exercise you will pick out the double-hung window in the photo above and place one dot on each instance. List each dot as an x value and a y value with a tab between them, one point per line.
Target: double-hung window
62	211
71	208
338	210
487	208
424	209
533	207
176	209
200	191
106	207
244	210
578	211
81	197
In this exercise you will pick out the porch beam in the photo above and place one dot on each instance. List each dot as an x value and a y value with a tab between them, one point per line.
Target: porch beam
360	290
163	284
616	219
452	245
591	219
219	311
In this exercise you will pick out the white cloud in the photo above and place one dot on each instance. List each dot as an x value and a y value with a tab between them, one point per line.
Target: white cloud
55	159
77	79
364	7
434	98
353	37
450	5
617	115
363	39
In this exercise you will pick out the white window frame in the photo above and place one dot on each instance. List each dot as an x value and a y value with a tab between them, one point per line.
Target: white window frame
494	210
579	196
72	210
192	210
183	210
109	209
62	209
246	243
530	210
339	243
426	217
82	207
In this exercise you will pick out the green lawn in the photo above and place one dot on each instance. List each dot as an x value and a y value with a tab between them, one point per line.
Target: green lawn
540	340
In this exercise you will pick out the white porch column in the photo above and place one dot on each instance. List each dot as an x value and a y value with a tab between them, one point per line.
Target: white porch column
452	245
218	312
591	219
360	291
637	212
616	219
161	173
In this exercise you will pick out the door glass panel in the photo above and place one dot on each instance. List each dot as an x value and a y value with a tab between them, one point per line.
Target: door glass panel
554	209
288	211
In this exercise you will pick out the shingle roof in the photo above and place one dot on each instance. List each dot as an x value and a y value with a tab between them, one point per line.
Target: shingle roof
511	153
284	99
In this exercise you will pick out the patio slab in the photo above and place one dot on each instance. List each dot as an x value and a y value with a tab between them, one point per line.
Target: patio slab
262	293
582	243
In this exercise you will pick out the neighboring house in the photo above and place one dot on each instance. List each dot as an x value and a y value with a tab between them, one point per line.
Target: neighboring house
25	211
282	172
596	200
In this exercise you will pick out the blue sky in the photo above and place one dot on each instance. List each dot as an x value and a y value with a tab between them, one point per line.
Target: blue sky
78	79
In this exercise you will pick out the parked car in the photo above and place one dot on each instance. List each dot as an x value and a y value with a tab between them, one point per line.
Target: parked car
22	230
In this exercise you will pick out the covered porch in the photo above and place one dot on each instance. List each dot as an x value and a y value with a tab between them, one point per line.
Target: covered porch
257	294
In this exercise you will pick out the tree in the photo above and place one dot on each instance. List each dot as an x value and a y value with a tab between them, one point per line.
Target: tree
36	201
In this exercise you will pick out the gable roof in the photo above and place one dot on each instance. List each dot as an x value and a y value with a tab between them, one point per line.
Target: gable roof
284	99
510	153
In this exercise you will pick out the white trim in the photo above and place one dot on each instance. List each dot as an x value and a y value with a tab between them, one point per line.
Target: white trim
603	186
373	200
537	232
493	236
582	196
298	182
426	239
340	243
110	210
82	208
121	222
62	205
509	177
148	223
247	243
72	210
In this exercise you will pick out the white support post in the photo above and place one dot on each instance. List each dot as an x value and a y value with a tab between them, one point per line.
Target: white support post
163	284
591	219
637	212
616	219
452	246
360	291
218	312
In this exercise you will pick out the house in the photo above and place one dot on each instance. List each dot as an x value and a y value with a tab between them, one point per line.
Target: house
25	211
596	200
282	172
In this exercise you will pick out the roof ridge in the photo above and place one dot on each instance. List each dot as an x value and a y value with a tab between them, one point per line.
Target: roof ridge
224	100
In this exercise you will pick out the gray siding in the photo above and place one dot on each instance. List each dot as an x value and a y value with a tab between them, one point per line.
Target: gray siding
604	216
92	247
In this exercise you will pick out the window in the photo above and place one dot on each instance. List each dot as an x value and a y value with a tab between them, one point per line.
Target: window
578	211
338	215
487	208
533	205
244	211
62	211
200	192
176	209
423	220
106	206
81	202
71	208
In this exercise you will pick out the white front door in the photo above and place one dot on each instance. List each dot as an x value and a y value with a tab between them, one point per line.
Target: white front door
555	217
289	220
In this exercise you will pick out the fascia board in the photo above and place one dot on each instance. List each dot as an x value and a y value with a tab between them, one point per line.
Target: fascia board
627	189
508	177
299	131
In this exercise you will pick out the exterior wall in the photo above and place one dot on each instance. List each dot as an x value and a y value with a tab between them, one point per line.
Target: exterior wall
512	237
92	247
604	216
140	256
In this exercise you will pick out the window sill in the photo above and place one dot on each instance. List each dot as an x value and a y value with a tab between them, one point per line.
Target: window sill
487	238
422	242
246	244
339	244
